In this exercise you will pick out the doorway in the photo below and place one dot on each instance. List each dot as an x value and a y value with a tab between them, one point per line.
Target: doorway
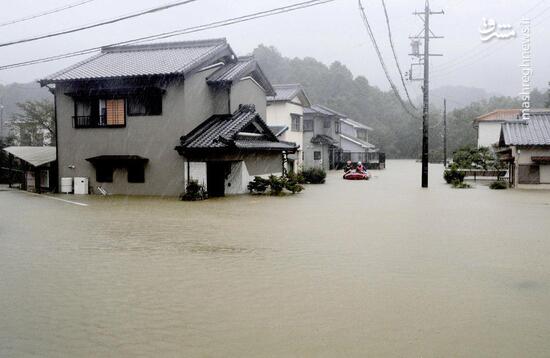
215	178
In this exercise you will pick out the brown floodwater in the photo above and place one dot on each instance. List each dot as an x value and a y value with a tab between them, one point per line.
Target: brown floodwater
377	268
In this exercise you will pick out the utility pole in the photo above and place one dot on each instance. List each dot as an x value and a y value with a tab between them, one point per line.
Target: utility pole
428	34
444	133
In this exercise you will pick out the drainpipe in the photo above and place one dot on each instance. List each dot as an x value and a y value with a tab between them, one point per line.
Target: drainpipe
56	188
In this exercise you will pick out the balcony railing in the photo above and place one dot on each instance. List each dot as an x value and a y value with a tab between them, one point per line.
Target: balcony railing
95	122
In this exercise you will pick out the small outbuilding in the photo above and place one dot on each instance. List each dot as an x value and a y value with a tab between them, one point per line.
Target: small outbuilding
39	171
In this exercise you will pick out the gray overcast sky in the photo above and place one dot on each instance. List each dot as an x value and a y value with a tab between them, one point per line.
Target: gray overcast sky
328	32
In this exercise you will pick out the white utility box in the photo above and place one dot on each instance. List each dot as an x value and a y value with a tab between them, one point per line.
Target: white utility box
67	185
81	185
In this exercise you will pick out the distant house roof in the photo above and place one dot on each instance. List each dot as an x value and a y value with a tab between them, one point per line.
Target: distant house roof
534	131
358	141
323	139
36	156
505	115
237	70
287	92
319	110
169	58
242	130
278	130
355	124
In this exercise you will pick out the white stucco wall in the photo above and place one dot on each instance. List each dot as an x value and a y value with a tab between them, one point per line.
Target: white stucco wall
488	133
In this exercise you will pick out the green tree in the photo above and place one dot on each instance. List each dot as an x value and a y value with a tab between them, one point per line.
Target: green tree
35	122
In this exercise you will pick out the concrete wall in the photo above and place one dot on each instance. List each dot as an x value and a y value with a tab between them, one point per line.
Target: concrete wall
185	105
488	133
247	91
523	156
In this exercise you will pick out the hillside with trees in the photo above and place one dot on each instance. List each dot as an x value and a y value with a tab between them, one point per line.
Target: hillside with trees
396	132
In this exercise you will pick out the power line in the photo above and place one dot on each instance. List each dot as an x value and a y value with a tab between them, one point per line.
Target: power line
212	25
377	49
395	55
44	13
98	24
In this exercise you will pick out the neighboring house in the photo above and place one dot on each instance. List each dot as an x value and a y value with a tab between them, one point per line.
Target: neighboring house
285	112
488	125
37	165
120	115
354	141
321	140
525	146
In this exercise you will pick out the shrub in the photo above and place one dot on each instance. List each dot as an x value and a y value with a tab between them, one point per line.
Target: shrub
293	185
498	185
194	191
277	184
452	174
460	185
297	178
314	175
258	185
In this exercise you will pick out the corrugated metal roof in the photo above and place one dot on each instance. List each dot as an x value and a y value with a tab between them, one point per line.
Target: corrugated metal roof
355	124
534	131
358	141
143	60
35	156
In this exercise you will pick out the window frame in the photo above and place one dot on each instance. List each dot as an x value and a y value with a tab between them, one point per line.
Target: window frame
317	155
295	122
147	112
304	128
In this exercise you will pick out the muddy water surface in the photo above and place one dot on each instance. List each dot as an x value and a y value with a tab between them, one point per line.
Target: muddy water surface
378	268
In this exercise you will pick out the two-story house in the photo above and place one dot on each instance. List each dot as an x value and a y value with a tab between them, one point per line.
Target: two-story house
285	112
144	119
354	141
321	139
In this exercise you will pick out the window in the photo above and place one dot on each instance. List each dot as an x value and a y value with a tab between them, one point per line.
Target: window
317	155
308	125
136	174
296	119
104	174
99	113
146	104
362	134
337	127
327	123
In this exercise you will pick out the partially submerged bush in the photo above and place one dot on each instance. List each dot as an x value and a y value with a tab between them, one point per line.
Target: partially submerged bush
314	175
460	185
258	185
297	178
194	191
498	185
275	184
452	174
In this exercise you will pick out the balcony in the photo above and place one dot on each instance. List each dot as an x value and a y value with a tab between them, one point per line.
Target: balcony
97	122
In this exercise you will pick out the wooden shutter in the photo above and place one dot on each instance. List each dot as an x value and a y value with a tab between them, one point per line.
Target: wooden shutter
115	112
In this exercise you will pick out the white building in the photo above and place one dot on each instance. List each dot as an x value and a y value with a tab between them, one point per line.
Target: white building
488	125
285	112
525	146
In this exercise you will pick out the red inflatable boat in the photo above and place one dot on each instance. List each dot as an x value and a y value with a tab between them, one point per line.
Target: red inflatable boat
353	175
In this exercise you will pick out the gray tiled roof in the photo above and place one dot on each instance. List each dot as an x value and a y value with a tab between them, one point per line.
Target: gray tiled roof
323	139
358	141
144	60
222	132
287	92
278	130
534	131
243	67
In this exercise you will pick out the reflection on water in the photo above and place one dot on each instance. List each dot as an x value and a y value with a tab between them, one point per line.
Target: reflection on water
378	268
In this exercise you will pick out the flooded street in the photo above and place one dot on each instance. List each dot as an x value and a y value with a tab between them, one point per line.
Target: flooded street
377	268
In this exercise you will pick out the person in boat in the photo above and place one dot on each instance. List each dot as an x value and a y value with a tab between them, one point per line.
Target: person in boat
360	168
349	167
